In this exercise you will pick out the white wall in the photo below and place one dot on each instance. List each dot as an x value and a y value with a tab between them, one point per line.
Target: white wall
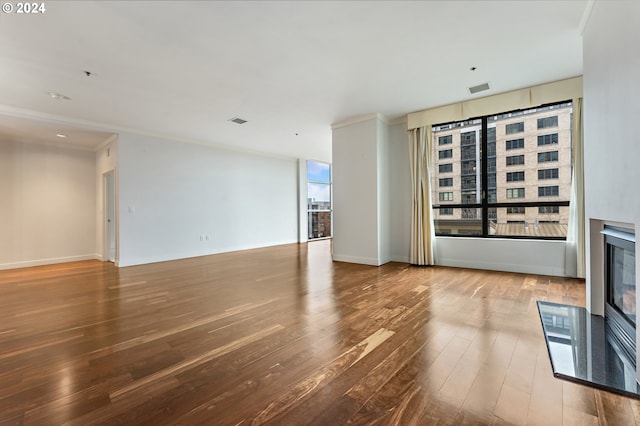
47	211
611	131
303	206
524	256
355	198
400	192
384	192
172	195
362	213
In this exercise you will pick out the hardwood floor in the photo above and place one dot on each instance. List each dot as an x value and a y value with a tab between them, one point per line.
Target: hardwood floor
284	336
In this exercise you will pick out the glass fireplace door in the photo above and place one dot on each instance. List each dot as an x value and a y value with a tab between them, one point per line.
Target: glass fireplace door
620	273
622	264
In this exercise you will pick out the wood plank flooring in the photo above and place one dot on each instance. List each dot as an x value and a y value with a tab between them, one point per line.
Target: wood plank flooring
285	336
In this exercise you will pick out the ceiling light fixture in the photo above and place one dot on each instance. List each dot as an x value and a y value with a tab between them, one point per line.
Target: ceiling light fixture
237	120
479	88
58	96
61	135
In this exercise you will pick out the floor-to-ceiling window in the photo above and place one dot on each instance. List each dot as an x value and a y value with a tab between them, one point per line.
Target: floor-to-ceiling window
319	199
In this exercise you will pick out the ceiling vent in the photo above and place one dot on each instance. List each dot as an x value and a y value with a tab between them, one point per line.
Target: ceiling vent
479	88
237	120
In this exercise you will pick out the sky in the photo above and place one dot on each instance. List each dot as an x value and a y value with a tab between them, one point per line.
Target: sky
319	172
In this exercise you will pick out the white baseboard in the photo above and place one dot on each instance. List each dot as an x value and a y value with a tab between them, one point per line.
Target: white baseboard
50	261
356	259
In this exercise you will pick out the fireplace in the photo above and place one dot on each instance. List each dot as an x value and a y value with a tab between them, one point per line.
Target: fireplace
620	290
596	345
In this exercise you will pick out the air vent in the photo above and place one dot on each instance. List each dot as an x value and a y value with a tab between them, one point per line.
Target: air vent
237	120
479	88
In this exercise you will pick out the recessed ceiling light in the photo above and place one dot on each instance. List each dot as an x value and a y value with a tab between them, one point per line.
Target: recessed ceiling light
237	120
479	88
58	96
61	135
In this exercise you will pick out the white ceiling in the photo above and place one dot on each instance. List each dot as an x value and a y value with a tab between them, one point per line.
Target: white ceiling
182	69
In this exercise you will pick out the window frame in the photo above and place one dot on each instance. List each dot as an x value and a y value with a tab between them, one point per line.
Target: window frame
485	205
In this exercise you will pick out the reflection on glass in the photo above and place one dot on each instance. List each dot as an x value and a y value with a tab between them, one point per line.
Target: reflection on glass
624	282
581	349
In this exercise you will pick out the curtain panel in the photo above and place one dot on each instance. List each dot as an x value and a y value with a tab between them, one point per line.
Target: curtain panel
422	233
575	246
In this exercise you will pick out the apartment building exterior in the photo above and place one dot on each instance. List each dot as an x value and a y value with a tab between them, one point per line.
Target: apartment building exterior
528	174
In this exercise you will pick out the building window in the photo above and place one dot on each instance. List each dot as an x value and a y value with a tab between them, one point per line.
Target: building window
545	157
483	201
468	138
514	128
446	196
445	153
549	210
515	144
548	191
515	176
468	152
446	182
515	210
445	140
445	168
548	174
515	192
547	122
319	199
515	160
548	139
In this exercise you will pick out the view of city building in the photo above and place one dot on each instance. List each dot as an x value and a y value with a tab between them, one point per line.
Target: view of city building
319	218
319	199
528	174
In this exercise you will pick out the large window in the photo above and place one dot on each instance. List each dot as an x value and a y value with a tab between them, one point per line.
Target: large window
319	199
494	184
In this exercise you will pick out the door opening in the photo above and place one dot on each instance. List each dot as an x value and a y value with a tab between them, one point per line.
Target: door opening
110	217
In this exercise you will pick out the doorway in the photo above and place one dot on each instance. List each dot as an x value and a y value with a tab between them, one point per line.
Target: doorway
110	216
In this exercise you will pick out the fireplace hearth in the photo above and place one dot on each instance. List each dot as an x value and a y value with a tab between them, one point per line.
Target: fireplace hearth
581	350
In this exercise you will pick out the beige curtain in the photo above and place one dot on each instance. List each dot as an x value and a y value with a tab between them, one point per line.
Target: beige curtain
422	234
575	247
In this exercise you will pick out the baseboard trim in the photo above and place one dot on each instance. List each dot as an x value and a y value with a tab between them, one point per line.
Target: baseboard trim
356	259
50	261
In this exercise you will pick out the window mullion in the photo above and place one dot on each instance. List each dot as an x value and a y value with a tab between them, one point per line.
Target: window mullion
485	175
